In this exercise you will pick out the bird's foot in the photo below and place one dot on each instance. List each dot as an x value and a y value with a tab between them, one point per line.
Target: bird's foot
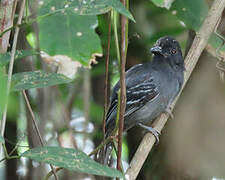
169	112
155	132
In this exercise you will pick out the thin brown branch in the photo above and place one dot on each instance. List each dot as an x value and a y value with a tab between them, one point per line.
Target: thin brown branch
11	63
107	74
122	86
191	59
33	117
36	128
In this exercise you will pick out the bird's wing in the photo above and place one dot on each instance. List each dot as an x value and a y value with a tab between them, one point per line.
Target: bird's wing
139	95
140	90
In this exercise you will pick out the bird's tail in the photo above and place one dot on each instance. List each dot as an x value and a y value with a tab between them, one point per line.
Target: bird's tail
104	156
105	152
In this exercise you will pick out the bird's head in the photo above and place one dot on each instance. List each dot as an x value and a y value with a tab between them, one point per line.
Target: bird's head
169	48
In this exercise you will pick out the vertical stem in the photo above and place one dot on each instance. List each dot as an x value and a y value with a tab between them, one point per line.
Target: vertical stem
33	118
106	74
122	85
115	18
11	63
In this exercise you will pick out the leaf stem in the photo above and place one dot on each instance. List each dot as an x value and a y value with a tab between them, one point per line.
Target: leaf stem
107	74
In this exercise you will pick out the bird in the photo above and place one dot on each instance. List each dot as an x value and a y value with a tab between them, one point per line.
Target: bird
150	89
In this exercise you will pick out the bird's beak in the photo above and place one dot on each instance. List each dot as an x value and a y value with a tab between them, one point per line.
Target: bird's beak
156	50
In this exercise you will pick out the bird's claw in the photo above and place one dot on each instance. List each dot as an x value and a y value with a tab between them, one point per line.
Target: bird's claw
154	132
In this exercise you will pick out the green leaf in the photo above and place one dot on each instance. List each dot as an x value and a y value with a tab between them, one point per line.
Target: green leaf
75	35
2	140
163	3
5	58
37	79
71	159
86	7
71	35
191	12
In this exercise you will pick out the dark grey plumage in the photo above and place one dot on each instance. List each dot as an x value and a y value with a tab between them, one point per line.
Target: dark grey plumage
150	87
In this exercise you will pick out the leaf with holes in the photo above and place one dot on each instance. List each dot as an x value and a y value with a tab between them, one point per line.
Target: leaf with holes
68	27
84	7
71	159
37	79
71	35
163	3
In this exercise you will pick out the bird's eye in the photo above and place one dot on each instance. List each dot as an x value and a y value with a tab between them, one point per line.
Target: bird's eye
173	51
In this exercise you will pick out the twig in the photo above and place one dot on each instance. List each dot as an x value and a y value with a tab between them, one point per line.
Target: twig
103	143
191	59
11	67
33	118
51	173
122	106
8	155
36	128
106	74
